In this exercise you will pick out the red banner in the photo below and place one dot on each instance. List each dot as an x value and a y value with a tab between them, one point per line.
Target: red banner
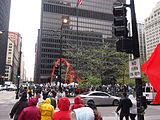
152	69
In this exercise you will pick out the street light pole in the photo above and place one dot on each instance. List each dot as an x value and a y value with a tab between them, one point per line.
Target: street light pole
60	76
65	21
18	75
76	46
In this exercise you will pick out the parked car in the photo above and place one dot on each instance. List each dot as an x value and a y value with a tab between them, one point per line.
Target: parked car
150	93
3	87
11	87
100	98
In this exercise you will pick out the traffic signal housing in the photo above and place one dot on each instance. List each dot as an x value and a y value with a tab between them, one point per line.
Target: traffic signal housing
120	21
124	43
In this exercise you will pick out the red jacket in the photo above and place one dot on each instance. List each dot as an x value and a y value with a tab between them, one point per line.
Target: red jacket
77	103
30	113
64	113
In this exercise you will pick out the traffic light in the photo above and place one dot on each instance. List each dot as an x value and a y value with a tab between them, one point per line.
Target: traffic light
120	21
56	71
124	43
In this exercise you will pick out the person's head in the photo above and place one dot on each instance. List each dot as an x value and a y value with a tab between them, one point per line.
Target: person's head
23	96
64	104
91	105
48	101
77	100
45	95
32	102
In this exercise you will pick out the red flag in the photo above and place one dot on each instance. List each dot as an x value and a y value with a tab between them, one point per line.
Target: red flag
79	2
152	69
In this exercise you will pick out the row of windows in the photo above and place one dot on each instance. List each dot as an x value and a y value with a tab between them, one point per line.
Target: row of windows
153	16
43	55
47	60
81	12
81	26
69	38
50	45
54	17
73	33
51	50
73	36
48	66
46	72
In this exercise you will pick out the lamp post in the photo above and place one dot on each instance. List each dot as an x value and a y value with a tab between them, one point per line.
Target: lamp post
65	21
19	73
77	11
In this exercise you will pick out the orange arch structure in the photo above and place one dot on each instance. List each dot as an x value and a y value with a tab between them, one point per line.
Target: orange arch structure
71	74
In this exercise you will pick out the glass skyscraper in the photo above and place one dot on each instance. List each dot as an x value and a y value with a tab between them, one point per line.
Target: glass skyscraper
95	21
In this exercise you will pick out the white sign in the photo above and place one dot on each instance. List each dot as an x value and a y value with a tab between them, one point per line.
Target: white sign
134	68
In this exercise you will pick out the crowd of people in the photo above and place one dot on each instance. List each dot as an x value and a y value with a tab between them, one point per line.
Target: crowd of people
51	103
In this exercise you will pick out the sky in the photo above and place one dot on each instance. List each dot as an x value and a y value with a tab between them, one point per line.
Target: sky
25	19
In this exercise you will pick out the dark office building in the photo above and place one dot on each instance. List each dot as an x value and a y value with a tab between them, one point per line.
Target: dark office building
4	25
95	21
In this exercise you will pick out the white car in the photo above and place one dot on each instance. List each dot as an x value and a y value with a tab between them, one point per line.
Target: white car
99	98
3	87
11	87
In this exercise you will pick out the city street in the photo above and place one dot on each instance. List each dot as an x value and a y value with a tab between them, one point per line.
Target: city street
8	99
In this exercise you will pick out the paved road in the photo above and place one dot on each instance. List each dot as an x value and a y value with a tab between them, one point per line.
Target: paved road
7	100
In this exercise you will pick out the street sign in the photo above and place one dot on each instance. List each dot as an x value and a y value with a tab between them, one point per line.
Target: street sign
134	68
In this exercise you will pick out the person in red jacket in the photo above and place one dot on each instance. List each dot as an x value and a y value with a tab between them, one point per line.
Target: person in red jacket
32	112
77	103
65	112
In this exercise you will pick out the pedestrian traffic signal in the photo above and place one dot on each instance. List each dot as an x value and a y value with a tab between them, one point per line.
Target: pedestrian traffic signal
120	21
125	45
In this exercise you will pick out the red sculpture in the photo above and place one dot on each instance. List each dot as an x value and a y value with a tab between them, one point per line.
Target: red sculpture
71	74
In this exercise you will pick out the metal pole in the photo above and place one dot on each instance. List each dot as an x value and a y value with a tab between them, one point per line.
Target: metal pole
76	46
18	75
136	54
60	76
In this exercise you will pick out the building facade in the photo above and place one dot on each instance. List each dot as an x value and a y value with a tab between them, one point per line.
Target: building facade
4	25
94	23
141	38
23	70
152	30
13	56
